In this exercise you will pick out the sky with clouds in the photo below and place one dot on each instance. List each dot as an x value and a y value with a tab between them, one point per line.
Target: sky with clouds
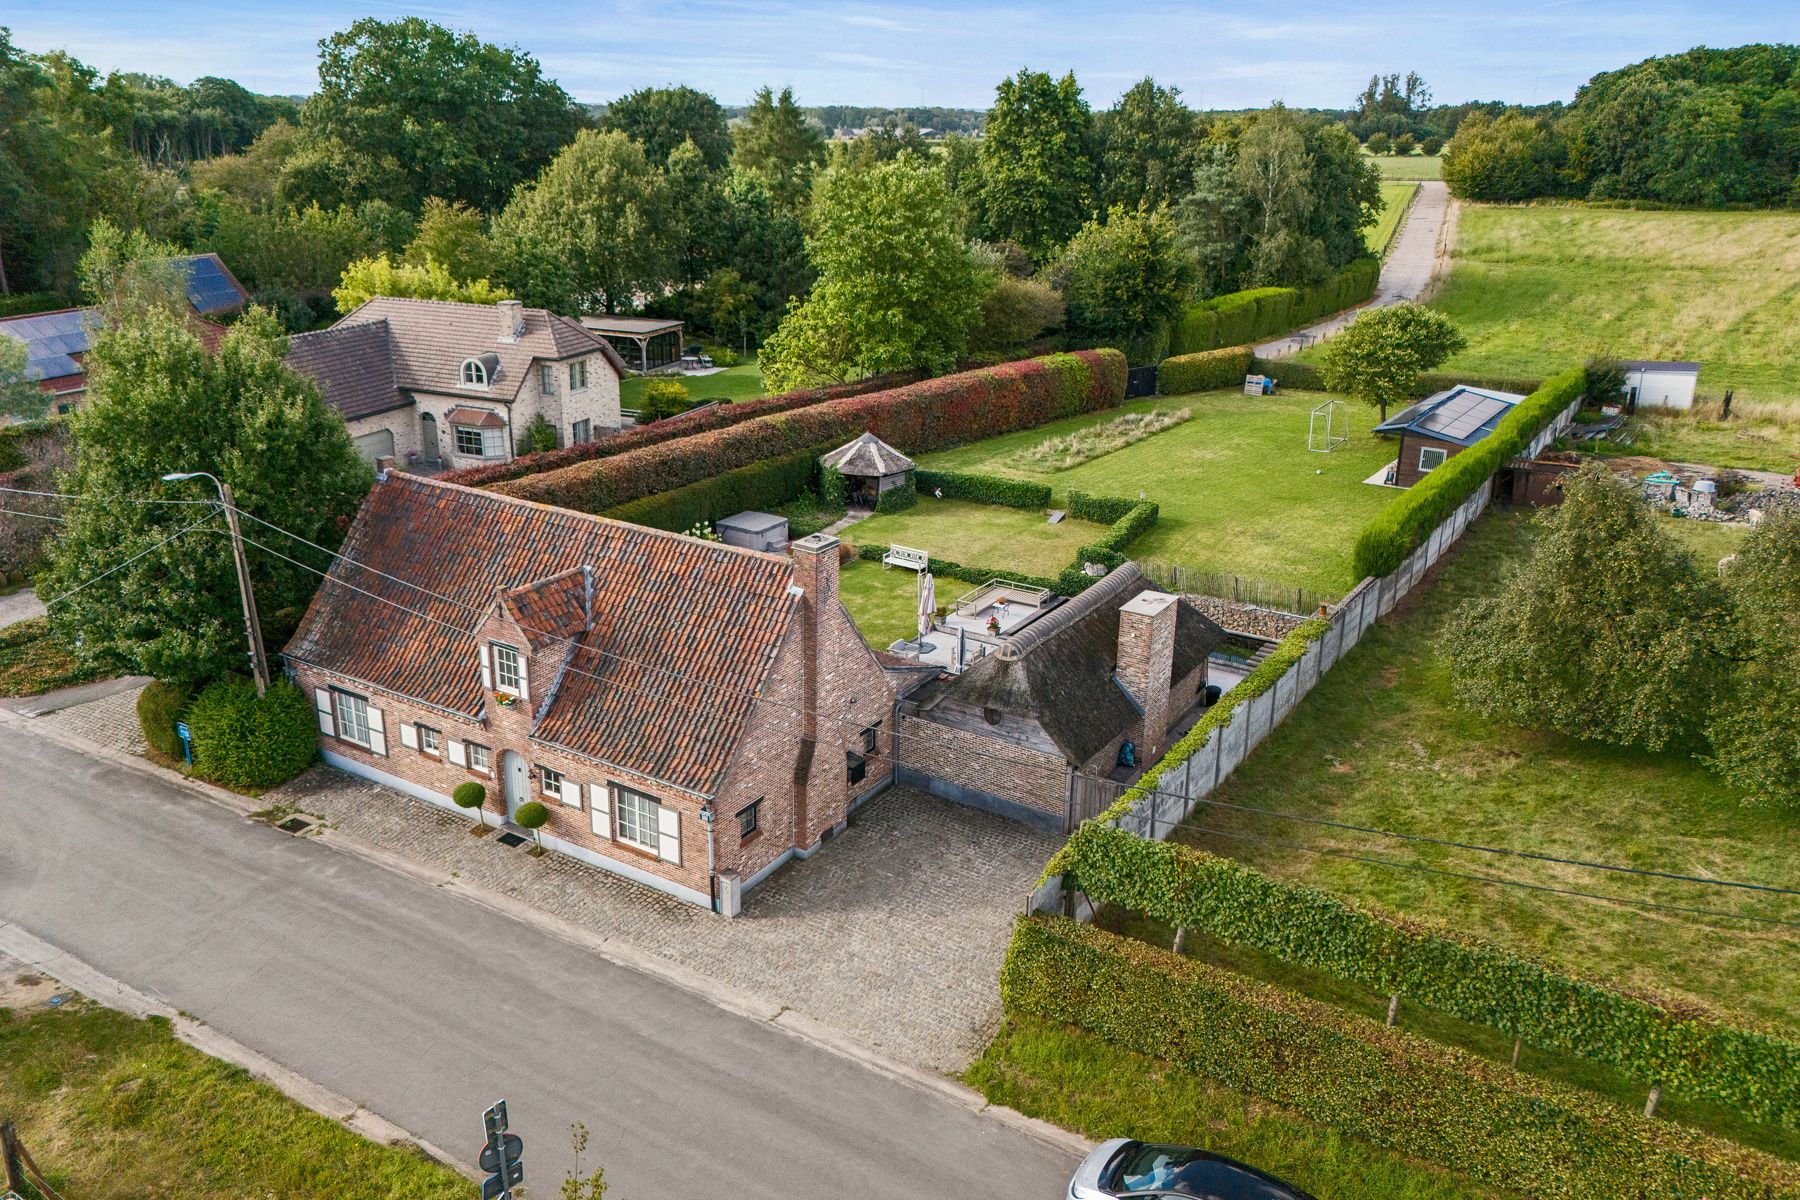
1221	53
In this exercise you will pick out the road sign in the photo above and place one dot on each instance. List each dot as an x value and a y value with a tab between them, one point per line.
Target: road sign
498	1187
512	1146
494	1120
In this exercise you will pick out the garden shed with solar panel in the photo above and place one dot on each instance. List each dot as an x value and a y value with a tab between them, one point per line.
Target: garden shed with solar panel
1441	426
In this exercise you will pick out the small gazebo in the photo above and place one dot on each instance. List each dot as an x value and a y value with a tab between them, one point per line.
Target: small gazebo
870	467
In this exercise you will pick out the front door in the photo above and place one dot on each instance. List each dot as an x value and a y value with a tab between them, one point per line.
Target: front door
428	438
518	783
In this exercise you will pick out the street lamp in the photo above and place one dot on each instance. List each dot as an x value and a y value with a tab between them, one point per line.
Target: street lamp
259	661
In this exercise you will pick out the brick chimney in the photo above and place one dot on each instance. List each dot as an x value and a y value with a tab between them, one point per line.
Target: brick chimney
512	319
815	560
1146	660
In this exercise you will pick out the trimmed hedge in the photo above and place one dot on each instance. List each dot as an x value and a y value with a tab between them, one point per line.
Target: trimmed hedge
1102	510
956	570
1249	316
1397	529
984	489
1309	377
245	741
720	416
920	417
764	485
1757	1074
1205	371
1394	1088
897	499
159	706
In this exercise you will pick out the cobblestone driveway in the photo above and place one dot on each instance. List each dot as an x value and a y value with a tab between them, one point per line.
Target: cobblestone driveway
892	934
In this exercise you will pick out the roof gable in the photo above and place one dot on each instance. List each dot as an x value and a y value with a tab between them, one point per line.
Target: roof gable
662	678
1462	415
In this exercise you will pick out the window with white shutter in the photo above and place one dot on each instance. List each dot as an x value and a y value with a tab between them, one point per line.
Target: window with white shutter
638	822
487	672
478	758
668	830
600	810
327	724
377	732
458	756
352	713
509	670
409	736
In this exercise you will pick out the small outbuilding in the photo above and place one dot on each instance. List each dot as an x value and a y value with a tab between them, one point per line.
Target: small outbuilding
870	467
645	343
753	531
1660	384
1442	426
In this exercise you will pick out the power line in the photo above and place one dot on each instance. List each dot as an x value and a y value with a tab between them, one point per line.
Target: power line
103	499
19	512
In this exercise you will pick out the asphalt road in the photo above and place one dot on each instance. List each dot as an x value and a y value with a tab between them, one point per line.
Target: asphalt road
426	1007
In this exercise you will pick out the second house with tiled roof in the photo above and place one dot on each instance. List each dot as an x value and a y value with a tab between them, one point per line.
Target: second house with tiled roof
438	383
692	714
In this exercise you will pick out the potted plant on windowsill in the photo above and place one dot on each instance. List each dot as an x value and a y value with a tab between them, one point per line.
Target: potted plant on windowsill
505	699
532	815
469	794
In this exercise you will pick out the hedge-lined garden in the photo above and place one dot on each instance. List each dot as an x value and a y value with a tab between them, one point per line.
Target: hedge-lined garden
1661	1045
1403	525
244	741
930	415
765	486
984	489
1260	313
1385	1085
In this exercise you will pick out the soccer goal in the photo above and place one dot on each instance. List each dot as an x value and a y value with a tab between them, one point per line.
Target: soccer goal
1328	429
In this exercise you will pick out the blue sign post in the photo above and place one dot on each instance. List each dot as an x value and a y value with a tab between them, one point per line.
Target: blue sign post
187	741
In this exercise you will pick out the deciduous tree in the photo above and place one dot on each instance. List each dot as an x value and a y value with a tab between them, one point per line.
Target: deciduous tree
452	233
778	144
1381	356
1037	165
663	118
1148	141
1124	282
1754	725
431	280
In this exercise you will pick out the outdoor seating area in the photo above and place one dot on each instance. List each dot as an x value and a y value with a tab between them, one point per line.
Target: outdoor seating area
971	627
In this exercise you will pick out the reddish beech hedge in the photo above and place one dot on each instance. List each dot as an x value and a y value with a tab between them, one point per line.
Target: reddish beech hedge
719	416
920	417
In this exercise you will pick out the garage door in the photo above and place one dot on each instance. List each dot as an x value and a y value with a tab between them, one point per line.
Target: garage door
379	444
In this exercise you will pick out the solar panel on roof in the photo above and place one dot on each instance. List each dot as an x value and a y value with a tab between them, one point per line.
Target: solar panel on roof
1463	414
209	288
50	339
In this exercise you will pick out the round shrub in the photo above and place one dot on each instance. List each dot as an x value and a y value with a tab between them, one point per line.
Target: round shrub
469	794
722	356
159	706
245	741
531	815
663	398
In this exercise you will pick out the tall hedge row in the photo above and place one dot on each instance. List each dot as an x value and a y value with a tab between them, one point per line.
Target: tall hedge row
764	485
929	415
720	416
1204	371
983	489
1393	1088
1403	525
1309	377
1755	1073
1250	316
1102	510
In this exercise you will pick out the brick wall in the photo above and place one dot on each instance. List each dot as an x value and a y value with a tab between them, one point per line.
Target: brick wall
999	768
1406	469
1146	658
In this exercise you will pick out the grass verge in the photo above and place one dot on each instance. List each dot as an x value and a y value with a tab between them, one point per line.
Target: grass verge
116	1108
1409	166
33	660
1394	199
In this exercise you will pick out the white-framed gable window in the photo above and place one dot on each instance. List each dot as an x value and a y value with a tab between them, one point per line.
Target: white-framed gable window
509	669
1431	458
578	375
474	373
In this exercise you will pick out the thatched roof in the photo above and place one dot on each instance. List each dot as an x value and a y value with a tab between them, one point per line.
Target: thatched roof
1058	670
867	455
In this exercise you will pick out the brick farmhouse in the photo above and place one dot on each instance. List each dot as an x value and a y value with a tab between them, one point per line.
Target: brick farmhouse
692	714
441	383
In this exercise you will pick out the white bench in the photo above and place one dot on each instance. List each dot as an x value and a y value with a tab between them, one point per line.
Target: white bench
905	556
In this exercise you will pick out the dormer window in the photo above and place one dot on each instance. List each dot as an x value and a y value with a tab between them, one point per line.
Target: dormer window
479	371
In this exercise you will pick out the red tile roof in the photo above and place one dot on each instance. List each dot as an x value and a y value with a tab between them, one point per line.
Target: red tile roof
552	609
681	634
479	418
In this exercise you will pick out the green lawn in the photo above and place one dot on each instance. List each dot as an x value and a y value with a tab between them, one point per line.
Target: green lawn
1707	541
33	660
1410	166
742	382
1394	198
1239	492
1381	743
1081	1082
885	602
1536	289
115	1108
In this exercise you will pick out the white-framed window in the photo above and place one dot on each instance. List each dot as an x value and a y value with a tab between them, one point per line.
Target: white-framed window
474	373
749	819
352	717
870	738
1431	458
639	820
480	441
578	375
553	785
431	741
478	757
547	378
509	669
581	431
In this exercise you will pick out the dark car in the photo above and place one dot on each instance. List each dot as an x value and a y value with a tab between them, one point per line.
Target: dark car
1122	1167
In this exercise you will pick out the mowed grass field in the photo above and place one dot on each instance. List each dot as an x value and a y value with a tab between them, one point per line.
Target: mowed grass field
1537	289
742	382
1239	491
1409	166
1394	199
1382	743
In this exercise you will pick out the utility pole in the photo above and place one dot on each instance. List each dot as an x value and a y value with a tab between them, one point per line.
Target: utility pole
259	659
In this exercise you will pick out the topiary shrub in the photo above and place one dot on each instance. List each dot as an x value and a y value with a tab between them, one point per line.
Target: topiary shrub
245	741
470	794
159	706
532	815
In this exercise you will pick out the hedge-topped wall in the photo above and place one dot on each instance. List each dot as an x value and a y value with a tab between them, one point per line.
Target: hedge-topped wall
1754	1073
1259	313
920	417
1391	1087
762	486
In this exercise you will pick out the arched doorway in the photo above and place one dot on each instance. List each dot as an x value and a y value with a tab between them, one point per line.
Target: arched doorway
516	780
428	439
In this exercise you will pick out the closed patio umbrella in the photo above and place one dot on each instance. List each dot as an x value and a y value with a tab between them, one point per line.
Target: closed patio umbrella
927	604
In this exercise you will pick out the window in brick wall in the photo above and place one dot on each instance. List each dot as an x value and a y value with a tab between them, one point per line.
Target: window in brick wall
431	741
509	672
581	431
478	757
578	375
749	820
855	768
638	820
352	717
869	738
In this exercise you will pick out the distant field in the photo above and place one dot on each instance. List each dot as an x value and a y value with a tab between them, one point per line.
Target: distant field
1537	289
1411	166
1394	197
